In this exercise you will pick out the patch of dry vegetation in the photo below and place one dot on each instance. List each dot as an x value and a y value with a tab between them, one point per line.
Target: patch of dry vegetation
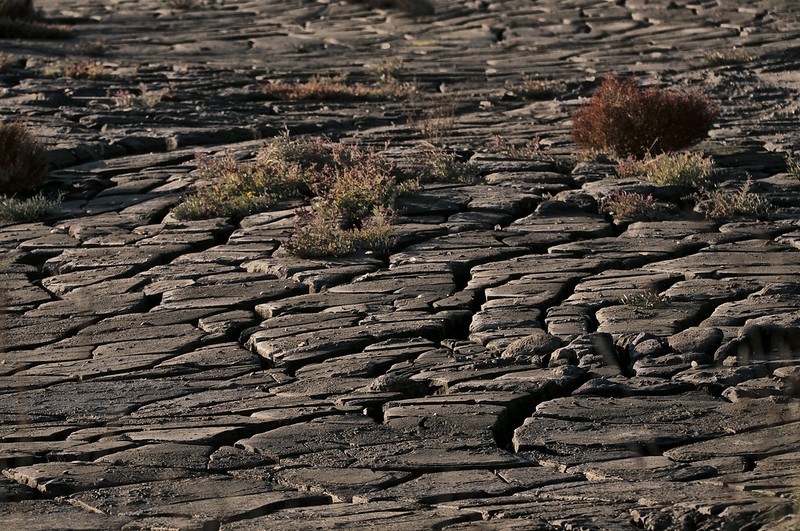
18	20
24	163
623	119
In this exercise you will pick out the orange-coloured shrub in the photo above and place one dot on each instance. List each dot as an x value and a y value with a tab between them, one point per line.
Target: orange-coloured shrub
623	119
24	163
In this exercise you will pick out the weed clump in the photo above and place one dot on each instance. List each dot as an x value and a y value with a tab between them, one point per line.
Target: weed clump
16	210
679	169
720	204
239	189
623	119
433	163
644	299
24	163
145	99
631	206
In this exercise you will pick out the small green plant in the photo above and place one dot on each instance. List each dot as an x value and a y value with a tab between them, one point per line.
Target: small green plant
240	189
311	153
16	210
681	169
733	56
643	299
630	206
145	99
434	164
359	183
319	237
793	166
24	162
721	204
623	119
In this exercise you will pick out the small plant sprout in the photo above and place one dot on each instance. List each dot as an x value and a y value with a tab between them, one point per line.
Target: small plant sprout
793	166
623	119
643	299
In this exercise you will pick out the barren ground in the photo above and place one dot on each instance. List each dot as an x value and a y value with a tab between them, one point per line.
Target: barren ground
194	375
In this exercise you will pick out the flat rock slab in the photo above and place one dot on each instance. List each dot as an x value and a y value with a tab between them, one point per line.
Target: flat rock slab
384	515
61	479
218	497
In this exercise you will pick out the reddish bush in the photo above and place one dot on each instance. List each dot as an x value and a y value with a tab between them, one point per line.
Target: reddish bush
623	119
24	163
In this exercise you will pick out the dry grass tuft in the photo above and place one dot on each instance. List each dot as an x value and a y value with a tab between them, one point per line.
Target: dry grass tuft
719	204
623	119
734	56
334	89
24	163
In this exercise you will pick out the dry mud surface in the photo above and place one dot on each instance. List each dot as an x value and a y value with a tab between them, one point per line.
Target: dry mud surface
193	375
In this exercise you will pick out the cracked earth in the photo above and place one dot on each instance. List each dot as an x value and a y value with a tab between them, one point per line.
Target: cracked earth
159	374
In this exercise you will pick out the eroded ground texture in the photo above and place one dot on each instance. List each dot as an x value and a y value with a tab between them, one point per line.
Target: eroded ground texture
194	375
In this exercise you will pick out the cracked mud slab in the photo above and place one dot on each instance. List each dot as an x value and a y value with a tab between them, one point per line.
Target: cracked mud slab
160	374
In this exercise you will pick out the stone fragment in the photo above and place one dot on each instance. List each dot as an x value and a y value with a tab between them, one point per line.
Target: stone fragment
696	339
532	347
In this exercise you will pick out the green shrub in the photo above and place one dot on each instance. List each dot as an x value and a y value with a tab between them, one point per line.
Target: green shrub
359	182
682	169
317	236
240	189
623	119
16	210
24	163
